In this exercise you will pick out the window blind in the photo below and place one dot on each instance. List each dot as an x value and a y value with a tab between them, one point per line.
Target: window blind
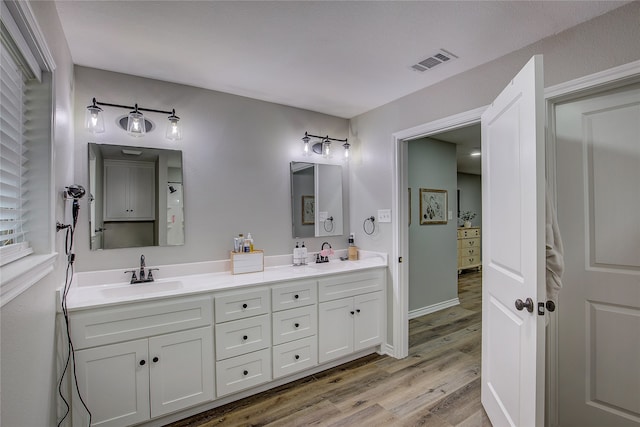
13	160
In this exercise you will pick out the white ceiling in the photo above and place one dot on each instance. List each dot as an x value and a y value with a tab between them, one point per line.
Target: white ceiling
336	57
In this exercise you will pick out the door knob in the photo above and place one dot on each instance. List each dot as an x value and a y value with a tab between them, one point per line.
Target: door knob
528	304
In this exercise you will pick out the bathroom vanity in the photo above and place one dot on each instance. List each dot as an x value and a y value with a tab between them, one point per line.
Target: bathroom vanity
189	343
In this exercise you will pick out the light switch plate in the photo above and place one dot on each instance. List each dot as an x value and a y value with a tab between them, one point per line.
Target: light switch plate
384	215
450	215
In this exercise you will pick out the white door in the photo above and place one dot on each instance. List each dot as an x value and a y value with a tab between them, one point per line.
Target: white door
335	325
598	191
181	370
114	383
368	320
513	251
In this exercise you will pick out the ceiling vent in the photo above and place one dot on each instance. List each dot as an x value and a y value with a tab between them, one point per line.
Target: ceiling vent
436	59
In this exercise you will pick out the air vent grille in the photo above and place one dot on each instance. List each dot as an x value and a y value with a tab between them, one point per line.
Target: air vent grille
434	60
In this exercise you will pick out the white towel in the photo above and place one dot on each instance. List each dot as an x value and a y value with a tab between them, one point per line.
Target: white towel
554	252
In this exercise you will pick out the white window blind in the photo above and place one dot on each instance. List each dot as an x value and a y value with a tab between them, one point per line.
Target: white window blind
14	213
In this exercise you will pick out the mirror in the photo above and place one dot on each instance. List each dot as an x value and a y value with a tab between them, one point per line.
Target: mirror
316	200
136	197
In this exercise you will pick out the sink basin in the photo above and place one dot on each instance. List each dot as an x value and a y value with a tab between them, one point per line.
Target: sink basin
141	289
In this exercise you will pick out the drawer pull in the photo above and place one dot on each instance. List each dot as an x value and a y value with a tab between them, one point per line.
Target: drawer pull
142	362
358	310
297	325
245	305
353	312
156	359
296	296
245	373
245	337
297	356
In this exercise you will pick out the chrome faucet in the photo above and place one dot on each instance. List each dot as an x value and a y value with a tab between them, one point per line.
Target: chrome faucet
142	279
142	266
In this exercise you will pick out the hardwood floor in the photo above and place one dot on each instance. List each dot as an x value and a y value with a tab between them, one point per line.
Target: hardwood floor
437	385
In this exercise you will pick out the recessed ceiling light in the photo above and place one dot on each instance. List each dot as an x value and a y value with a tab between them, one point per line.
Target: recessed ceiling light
475	154
131	152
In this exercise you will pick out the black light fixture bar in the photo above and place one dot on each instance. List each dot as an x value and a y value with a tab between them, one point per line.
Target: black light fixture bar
152	110
308	135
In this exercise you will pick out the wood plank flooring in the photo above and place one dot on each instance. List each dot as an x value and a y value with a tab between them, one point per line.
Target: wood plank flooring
437	385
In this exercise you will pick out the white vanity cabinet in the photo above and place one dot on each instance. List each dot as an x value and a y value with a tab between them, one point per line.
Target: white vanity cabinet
295	327
351	313
243	339
129	189
139	361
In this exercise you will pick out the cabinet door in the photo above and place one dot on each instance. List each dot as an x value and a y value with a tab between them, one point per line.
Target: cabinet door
335	324
369	320
114	382
116	192
181	370
142	193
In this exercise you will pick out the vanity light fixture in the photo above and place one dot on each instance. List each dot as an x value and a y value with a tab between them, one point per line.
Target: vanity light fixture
136	124
323	145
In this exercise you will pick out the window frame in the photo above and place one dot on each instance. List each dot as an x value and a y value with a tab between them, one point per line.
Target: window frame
19	275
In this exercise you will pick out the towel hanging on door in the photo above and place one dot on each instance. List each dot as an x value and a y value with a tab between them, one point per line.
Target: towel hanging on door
554	252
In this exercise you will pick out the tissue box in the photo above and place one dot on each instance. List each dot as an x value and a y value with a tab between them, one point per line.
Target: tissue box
247	262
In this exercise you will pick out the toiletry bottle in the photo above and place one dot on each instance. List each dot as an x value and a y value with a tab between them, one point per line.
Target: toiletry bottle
240	242
303	254
250	239
353	249
296	255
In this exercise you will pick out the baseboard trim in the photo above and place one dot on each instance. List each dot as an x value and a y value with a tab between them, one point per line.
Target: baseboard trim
433	308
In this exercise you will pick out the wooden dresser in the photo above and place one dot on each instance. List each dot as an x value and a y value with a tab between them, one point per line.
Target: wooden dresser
469	248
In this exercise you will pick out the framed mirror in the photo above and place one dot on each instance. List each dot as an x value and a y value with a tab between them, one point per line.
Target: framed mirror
316	200
136	197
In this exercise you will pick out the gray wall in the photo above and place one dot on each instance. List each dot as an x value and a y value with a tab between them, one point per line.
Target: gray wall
433	276
27	355
236	155
470	187
607	41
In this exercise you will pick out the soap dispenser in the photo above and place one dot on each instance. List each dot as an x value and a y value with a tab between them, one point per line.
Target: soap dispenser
353	249
303	254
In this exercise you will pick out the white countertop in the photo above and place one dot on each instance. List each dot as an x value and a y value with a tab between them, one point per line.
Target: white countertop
89	290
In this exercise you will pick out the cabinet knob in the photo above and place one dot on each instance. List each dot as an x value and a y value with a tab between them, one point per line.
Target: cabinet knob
244	306
244	337
358	310
296	296
297	325
245	373
353	312
156	359
142	362
297	356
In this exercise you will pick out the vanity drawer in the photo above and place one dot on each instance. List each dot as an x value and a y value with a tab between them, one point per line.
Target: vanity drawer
347	285
295	356
126	322
294	324
242	336
241	372
296	294
239	305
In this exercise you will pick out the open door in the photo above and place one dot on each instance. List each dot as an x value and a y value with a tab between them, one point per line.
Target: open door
513	195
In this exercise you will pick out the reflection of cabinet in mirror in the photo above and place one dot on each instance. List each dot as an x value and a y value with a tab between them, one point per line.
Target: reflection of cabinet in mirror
129	189
319	186
136	197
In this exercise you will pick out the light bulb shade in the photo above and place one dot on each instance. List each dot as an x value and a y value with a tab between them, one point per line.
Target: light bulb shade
174	130
305	149
347	148
93	120
326	148
135	124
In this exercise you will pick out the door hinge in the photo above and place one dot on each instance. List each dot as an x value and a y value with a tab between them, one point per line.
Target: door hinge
400	260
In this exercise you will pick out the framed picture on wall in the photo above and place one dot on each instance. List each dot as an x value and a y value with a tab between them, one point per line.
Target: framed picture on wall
433	206
308	210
